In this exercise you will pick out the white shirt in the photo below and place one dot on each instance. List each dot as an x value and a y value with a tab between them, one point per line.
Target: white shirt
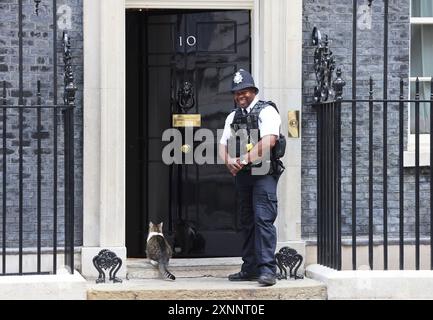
269	122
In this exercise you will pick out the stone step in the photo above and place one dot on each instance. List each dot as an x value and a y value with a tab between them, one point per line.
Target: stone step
206	288
184	268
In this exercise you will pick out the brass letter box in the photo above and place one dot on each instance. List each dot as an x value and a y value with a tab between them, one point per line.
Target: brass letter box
186	120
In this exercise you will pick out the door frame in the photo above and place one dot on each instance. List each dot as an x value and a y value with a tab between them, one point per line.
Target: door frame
278	73
251	5
104	136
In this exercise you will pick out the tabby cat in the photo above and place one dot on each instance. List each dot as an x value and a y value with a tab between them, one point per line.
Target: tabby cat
158	250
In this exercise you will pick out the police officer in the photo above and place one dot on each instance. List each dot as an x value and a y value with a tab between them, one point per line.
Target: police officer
257	193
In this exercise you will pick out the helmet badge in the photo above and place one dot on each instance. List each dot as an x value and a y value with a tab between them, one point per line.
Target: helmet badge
238	78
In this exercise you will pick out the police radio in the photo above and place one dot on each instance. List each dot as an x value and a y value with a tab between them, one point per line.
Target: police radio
279	149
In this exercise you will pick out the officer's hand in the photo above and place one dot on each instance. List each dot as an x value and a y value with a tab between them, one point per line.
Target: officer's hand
234	165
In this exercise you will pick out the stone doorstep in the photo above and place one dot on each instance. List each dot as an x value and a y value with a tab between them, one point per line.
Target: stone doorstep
186	268
206	288
201	278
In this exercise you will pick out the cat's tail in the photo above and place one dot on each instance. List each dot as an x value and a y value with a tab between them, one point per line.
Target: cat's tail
165	273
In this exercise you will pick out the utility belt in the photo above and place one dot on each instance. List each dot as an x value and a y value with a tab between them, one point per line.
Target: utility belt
276	167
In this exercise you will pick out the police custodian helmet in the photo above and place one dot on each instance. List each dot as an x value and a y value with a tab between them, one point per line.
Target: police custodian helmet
242	80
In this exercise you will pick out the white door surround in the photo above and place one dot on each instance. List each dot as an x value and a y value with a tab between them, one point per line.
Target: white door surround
276	66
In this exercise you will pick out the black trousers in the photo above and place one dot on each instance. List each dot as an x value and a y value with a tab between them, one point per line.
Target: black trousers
258	210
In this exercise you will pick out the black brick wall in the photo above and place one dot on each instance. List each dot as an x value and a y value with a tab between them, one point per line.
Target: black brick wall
334	17
38	65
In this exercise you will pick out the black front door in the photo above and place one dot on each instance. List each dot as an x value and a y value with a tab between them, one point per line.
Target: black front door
166	51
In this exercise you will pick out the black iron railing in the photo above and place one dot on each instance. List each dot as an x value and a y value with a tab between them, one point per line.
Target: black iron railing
366	195
15	115
69	103
329	184
37	163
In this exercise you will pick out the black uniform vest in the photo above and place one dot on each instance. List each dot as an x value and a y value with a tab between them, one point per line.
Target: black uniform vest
246	123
